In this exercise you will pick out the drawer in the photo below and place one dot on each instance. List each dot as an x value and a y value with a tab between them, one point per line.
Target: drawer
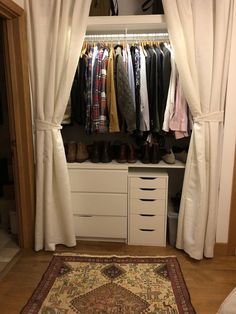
148	182
147	206
147	221
148	193
146	237
99	204
82	180
147	230
101	227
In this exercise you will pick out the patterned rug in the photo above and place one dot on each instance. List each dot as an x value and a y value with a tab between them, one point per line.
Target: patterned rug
105	285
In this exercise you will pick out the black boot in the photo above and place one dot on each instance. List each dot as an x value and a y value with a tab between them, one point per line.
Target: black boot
95	155
106	153
146	153
156	156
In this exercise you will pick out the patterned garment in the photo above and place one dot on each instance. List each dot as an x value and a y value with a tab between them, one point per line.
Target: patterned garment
103	121
95	110
88	73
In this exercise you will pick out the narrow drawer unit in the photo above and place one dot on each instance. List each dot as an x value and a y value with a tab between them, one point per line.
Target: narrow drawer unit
108	181
147	193
142	236
100	226
148	206
148	182
99	204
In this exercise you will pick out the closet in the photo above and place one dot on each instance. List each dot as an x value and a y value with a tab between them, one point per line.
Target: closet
126	201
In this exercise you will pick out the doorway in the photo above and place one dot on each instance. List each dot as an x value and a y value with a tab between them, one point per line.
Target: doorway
15	114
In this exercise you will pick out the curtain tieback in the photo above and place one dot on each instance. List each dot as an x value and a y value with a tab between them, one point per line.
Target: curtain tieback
217	116
47	126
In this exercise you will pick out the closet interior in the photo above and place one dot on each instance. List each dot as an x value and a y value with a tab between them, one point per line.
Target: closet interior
126	132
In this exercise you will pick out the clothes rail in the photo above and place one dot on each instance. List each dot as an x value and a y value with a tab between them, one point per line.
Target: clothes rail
134	36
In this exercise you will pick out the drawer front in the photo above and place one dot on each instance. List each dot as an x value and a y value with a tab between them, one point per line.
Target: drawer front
98	180
148	182
147	230
148	193
147	206
101	227
144	237
99	204
147	221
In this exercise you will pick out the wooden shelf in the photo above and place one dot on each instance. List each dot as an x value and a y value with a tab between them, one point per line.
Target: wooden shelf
131	23
120	166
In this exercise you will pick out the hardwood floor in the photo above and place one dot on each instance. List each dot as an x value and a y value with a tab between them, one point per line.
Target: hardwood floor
209	281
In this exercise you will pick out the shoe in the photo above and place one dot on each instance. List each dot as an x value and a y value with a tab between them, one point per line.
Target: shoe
122	154
82	152
146	153
156	155
182	156
95	155
131	154
71	151
169	157
106	153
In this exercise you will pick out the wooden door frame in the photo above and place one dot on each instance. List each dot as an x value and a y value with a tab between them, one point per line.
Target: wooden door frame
20	117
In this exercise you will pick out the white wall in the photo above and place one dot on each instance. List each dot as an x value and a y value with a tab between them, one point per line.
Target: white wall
19	2
228	147
129	7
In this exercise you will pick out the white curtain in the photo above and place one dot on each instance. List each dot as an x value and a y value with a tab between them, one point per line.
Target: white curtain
56	30
200	33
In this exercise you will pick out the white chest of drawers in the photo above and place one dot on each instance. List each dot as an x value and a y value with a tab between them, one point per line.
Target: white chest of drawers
147	207
99	202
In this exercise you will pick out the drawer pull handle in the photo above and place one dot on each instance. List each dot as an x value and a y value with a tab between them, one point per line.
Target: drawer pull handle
147	199
147	189
85	216
147	215
147	178
150	230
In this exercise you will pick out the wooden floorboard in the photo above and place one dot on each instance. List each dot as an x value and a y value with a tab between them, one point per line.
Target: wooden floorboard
209	281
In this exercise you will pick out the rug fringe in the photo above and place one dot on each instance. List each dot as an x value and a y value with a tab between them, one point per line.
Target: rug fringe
113	255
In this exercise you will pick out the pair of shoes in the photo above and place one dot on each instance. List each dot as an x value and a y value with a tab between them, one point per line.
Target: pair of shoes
127	154
151	153
168	157
76	152
182	156
101	152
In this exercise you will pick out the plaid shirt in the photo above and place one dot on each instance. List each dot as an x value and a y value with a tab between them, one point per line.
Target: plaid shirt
95	110
88	90
103	120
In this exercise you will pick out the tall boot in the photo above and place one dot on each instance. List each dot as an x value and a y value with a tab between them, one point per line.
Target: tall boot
95	155
156	156
146	153
71	151
82	153
106	153
122	154
131	154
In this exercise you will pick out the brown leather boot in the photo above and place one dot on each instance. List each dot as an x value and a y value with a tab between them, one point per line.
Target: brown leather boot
122	154
82	153
156	155
131	154
146	153
71	152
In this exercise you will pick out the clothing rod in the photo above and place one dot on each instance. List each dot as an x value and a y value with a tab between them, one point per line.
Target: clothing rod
127	36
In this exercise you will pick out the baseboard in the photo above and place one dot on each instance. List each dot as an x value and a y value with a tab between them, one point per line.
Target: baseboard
221	249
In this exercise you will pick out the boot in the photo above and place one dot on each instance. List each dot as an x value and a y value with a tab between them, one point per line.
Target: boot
71	152
106	153
122	154
168	157
95	155
156	156
82	153
131	155
146	153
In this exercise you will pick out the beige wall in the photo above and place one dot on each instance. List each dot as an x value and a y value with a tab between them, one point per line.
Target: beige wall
19	2
228	147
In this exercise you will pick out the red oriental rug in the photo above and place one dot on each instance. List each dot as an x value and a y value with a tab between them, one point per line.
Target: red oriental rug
111	284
